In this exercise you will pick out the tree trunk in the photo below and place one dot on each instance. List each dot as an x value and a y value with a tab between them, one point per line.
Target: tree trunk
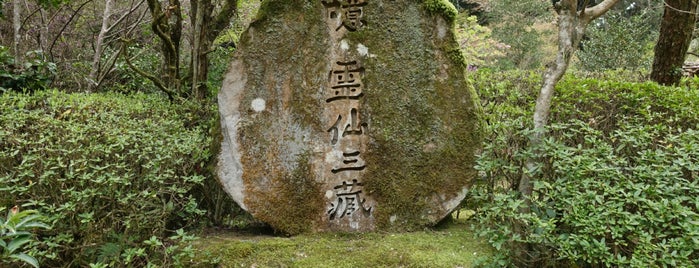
206	29
167	25
94	73
572	23
676	30
44	32
571	27
172	56
16	26
201	18
101	71
570	30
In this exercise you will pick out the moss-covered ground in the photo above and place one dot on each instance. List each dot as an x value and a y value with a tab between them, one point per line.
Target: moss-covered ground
450	244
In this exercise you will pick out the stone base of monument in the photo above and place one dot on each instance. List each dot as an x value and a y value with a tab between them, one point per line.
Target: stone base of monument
348	115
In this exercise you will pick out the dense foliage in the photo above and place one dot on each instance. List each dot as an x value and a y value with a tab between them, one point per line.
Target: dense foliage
619	42
522	26
619	181
477	44
116	175
16	232
34	73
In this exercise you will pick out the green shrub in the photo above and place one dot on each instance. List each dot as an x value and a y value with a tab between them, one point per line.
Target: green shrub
124	80
110	171
218	67
476	42
16	232
33	74
617	183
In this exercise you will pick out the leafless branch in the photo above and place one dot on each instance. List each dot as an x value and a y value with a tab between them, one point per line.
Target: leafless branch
60	33
599	9
157	82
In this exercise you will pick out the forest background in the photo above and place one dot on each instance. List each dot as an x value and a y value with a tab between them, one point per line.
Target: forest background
109	129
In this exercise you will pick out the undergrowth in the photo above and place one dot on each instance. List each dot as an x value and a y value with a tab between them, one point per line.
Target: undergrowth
616	183
117	176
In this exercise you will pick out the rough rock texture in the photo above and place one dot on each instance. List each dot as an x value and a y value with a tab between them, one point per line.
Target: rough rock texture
348	115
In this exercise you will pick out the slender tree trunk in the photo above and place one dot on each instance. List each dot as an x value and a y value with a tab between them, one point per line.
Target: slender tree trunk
570	32
202	16
571	27
167	25
16	27
572	23
44	32
676	31
173	57
206	29
102	71
94	73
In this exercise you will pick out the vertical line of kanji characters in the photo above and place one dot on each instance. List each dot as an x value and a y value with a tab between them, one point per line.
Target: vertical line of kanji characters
343	93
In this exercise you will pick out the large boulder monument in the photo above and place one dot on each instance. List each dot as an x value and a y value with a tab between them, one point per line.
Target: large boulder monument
348	115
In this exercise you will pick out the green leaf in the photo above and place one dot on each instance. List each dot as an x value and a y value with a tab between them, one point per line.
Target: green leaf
15	234
36	225
26	258
17	243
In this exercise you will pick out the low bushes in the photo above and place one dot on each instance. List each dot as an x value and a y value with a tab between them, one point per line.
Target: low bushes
616	183
119	177
116	175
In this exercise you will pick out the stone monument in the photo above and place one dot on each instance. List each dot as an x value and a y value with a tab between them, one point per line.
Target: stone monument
348	115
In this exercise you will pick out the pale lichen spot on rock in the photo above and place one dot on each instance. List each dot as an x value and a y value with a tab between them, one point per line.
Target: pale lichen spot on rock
363	50
333	156
258	105
442	29
344	45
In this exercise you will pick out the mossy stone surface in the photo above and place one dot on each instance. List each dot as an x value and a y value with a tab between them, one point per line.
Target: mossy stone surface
414	120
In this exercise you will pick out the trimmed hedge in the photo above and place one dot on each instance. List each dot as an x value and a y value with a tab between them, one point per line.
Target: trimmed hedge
617	183
111	171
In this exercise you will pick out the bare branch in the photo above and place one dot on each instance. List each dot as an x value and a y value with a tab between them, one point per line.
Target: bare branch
128	13
29	16
60	33
110	63
158	83
599	9
113	59
96	66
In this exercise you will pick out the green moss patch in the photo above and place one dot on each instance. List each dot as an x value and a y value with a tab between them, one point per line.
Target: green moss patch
451	245
442	7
